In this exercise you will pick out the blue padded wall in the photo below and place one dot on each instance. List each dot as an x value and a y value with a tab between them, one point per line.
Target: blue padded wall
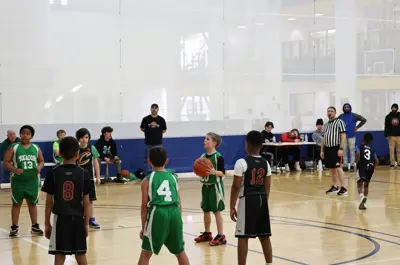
183	151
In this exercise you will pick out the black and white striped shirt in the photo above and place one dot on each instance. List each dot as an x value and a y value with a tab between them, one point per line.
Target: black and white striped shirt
332	131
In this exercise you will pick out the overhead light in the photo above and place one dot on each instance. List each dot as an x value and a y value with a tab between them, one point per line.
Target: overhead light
291	19
76	88
260	24
51	2
59	98
319	14
241	27
47	105
64	2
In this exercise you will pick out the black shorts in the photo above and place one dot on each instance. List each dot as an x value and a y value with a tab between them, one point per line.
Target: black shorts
331	158
68	235
92	190
365	174
253	217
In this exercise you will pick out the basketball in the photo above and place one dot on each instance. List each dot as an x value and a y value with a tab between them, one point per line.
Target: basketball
125	173
201	165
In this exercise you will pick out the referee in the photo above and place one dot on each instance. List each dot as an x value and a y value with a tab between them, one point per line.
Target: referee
333	141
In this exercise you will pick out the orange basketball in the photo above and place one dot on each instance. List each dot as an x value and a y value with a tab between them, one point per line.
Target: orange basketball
201	165
125	173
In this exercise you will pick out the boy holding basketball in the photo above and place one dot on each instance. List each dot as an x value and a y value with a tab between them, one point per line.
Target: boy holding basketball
88	160
252	183
25	161
67	188
213	192
161	211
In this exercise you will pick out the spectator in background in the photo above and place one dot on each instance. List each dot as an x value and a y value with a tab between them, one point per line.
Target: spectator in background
153	126
11	139
292	136
107	148
350	120
56	147
267	136
392	134
317	138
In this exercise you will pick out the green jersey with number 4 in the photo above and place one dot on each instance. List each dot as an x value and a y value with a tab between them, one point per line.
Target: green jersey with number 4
26	159
212	179
163	188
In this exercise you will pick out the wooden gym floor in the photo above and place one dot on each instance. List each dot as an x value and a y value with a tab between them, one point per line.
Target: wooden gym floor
308	227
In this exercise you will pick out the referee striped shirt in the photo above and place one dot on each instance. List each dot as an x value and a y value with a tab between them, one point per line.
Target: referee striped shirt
332	131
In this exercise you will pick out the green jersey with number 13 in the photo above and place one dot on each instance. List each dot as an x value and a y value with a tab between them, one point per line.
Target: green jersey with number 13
26	159
163	189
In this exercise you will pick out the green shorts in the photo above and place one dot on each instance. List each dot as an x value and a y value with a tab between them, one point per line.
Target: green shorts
213	197
164	226
25	188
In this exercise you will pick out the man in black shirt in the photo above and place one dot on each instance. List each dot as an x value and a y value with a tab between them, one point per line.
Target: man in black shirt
252	184
153	126
67	188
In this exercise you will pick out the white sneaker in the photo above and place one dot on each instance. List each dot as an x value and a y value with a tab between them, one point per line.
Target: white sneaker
362	203
297	166
320	167
287	168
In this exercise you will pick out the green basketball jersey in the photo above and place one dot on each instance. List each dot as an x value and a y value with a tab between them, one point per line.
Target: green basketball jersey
163	188
212	179
26	159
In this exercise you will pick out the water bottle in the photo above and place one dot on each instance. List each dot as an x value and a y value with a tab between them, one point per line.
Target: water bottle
273	139
306	138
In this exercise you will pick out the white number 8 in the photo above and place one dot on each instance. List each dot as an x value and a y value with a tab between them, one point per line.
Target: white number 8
164	190
367	154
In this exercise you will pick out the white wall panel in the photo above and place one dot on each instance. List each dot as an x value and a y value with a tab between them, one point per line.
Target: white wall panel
226	65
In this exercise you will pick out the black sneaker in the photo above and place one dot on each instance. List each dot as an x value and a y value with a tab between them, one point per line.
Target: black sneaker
362	203
352	169
391	165
35	230
342	191
13	231
332	190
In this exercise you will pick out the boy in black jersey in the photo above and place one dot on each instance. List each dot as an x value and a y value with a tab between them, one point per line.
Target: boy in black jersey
252	183
366	160
88	160
67	191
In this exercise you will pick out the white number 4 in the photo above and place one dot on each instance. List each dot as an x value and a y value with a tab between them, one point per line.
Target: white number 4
164	190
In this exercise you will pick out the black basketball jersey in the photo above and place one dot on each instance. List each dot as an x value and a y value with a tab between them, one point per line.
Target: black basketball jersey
85	160
367	156
253	182
68	184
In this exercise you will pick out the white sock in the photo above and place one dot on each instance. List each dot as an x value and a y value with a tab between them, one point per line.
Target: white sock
361	195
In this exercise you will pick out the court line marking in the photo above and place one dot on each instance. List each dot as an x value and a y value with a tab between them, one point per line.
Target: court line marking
27	240
375	261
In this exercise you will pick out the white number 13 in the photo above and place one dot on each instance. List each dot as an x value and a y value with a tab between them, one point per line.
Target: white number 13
28	164
164	190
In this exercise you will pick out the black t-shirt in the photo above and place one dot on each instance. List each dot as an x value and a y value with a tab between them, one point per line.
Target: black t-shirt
267	135
68	184
153	128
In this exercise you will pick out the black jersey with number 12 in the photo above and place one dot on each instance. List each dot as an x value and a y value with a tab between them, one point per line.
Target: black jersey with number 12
254	176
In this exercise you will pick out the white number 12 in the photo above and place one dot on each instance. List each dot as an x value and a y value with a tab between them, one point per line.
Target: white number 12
164	190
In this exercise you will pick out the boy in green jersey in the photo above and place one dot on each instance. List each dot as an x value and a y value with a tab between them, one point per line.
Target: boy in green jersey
25	161
161	211
56	147
213	192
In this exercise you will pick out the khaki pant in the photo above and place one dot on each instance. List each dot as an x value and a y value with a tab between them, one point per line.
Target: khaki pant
394	142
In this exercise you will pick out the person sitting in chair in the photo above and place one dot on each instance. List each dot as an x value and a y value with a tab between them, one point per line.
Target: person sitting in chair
107	148
268	151
292	136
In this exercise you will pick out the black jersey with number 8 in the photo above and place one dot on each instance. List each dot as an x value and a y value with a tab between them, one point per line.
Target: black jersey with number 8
68	184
